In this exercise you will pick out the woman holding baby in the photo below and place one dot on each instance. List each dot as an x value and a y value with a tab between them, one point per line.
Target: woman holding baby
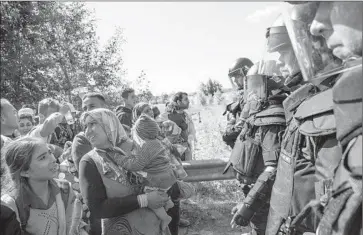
111	192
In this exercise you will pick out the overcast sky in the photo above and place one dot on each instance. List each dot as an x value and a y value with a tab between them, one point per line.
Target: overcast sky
180	44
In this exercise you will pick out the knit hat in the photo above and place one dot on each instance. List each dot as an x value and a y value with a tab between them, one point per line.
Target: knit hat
146	127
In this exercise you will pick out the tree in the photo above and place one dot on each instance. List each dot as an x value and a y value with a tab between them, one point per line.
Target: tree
24	70
211	87
164	98
142	85
50	48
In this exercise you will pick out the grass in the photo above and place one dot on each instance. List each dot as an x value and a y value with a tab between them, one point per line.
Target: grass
209	210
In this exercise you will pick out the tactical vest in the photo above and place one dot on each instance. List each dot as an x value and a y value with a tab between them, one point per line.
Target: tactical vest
343	214
246	157
309	155
234	109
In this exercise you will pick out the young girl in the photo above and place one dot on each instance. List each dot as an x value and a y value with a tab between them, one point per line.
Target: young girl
26	120
42	205
152	160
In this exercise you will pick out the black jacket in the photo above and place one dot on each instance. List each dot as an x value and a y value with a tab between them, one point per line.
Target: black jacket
9	224
124	115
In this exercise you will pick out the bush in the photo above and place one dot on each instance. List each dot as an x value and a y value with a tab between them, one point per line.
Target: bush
210	99
218	97
211	87
202	99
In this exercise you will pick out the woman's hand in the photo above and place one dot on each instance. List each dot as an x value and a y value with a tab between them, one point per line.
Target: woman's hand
156	199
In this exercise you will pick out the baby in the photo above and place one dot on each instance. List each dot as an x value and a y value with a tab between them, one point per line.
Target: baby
170	130
153	161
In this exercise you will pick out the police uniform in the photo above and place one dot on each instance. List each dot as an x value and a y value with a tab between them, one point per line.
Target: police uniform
235	123
308	144
256	150
310	153
343	213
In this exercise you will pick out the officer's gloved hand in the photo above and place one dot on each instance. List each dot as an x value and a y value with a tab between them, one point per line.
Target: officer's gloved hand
245	189
242	215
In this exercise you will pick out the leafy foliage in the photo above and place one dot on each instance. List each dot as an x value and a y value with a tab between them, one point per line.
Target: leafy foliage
210	87
50	48
142	88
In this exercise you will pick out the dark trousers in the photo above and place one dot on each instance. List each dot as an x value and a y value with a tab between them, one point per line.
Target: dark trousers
174	212
258	222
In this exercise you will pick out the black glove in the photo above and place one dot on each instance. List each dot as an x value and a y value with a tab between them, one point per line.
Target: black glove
243	215
245	189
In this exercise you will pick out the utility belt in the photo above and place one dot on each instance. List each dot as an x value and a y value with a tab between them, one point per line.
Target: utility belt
245	180
292	225
289	227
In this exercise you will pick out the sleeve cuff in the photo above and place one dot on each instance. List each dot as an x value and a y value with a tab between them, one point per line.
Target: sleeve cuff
142	200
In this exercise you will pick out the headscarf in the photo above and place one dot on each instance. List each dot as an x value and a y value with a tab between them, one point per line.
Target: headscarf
116	135
137	111
110	124
26	112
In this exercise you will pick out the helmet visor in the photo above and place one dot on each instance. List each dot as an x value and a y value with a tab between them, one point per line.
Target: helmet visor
313	56
255	86
278	55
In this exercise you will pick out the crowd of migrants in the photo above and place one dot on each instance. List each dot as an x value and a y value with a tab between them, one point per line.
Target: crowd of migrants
295	134
65	174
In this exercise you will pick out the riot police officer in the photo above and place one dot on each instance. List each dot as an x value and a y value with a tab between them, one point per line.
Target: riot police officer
309	150
254	156
342	22
237	72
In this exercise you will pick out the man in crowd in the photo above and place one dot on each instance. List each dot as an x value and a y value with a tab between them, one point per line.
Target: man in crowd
176	112
124	113
234	126
9	121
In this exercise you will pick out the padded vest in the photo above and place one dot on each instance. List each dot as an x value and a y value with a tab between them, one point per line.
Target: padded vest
310	133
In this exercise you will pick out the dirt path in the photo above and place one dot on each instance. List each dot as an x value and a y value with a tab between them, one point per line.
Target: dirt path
209	211
208	219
